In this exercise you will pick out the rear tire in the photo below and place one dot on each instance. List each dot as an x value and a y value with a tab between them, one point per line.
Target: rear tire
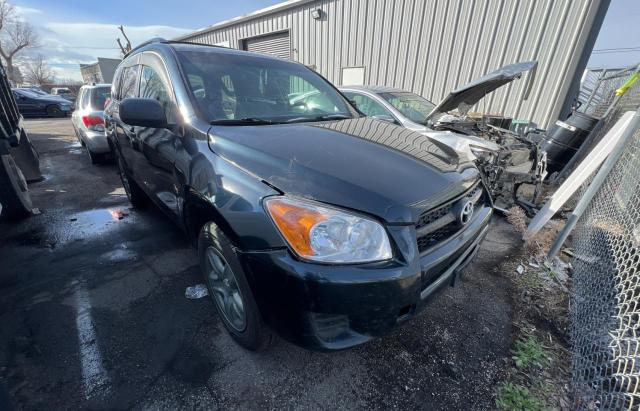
55	111
247	329
137	197
94	157
14	194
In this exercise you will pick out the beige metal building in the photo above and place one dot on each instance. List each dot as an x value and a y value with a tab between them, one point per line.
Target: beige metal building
430	46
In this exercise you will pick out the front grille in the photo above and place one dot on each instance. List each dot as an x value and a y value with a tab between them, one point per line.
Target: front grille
439	224
441	234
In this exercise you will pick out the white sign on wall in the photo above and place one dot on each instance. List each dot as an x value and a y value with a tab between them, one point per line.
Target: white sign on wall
352	76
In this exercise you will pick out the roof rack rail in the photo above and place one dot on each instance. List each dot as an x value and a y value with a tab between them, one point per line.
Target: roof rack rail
195	43
145	43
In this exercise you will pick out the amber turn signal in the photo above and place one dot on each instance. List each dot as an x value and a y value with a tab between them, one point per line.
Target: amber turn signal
295	223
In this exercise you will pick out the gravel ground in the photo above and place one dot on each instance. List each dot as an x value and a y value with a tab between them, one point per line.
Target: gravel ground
93	315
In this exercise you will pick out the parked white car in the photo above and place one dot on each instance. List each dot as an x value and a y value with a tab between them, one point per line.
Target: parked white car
411	111
88	120
63	92
506	158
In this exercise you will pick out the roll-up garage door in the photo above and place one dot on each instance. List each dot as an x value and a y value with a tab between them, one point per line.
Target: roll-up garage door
277	44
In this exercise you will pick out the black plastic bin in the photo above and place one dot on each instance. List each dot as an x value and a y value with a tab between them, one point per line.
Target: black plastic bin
565	138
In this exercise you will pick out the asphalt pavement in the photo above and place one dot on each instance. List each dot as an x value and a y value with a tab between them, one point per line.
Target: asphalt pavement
93	316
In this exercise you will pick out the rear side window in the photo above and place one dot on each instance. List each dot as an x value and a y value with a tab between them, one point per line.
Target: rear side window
84	102
78	104
367	105
115	86
99	96
129	82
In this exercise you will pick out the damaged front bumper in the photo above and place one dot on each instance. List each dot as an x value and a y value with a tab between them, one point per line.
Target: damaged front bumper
333	307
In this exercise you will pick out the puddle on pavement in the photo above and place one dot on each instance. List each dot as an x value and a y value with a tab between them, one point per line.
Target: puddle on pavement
87	224
75	151
98	221
122	253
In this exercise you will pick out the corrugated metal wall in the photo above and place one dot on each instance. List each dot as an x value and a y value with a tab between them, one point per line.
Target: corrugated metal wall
432	46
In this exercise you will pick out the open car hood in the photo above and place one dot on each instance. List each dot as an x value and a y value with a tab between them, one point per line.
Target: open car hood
466	96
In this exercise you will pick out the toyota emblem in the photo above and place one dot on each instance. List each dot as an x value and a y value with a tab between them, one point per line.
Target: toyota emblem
466	213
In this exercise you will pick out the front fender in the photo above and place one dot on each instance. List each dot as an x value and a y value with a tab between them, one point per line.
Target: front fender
234	199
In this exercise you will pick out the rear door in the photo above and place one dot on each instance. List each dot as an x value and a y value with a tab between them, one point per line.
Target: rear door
159	146
126	137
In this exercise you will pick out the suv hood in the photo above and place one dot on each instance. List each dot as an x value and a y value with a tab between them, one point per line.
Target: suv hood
468	95
362	164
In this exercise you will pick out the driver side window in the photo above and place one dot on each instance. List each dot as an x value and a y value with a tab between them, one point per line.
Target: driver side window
367	105
152	86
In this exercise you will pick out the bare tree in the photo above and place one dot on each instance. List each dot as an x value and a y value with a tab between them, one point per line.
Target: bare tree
124	48
15	35
37	71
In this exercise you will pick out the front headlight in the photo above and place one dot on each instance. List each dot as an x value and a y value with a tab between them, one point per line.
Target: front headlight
326	234
482	153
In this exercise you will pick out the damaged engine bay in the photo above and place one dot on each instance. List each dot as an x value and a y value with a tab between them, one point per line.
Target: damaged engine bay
517	161
508	160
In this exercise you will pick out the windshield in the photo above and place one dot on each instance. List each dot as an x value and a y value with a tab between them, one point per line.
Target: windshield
232	88
412	106
99	96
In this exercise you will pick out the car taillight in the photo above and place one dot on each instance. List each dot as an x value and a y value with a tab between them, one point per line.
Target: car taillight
95	123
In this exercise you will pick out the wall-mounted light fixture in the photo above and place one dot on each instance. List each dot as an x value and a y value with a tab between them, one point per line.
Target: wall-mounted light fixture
316	14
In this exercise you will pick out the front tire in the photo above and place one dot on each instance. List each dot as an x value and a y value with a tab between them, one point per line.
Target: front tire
230	291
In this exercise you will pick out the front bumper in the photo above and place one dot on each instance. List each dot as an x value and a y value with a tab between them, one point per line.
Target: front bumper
332	307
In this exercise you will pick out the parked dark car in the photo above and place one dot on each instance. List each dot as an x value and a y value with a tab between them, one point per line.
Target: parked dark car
34	104
328	227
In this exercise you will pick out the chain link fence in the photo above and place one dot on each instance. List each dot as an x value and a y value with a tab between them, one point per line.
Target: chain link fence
598	92
605	298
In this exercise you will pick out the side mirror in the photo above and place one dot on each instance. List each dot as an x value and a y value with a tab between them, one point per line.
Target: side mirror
142	112
385	117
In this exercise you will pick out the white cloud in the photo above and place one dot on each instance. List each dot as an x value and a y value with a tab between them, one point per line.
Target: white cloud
100	35
21	10
66	45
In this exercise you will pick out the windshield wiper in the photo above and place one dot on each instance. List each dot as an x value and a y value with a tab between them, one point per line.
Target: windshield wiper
253	121
319	118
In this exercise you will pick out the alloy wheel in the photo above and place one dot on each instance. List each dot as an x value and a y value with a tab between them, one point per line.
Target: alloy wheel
224	288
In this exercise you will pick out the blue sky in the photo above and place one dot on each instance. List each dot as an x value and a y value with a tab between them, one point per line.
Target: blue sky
78	31
620	29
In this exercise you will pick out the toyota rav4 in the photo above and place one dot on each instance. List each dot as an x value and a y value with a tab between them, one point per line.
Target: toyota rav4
310	219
